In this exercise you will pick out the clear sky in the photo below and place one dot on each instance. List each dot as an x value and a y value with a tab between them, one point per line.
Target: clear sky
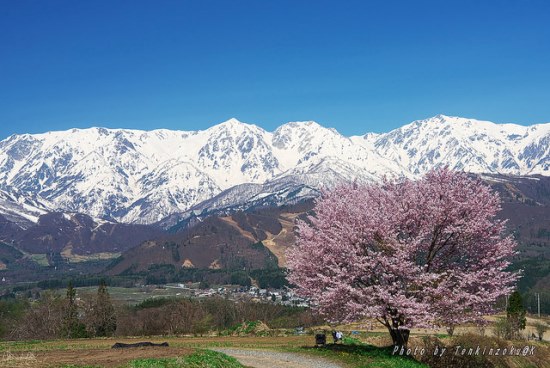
358	66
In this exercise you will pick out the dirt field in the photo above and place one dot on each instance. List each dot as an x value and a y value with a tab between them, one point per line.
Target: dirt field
75	352
48	354
106	357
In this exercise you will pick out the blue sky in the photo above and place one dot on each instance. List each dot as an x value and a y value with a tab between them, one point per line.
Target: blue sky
358	66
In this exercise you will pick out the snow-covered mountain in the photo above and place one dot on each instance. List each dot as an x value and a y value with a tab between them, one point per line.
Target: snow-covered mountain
146	176
467	145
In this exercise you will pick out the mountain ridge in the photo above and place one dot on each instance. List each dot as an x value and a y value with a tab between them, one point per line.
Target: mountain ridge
145	177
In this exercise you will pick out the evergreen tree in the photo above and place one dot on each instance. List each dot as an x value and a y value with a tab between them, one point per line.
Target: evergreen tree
71	325
103	312
515	314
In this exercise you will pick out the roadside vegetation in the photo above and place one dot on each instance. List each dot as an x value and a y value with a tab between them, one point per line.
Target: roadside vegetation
361	355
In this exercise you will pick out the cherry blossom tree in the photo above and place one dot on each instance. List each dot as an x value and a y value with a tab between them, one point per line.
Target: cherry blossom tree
410	254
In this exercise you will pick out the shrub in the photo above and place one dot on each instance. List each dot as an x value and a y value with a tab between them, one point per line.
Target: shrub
541	329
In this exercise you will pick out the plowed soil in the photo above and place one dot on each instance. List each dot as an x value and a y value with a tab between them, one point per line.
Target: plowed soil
106	357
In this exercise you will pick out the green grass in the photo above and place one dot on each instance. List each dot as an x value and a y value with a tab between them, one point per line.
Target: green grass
210	359
135	296
359	355
156	363
245	328
20	345
348	340
49	345
40	259
199	359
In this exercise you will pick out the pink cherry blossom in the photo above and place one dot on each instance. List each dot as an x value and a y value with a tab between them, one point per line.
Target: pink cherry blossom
410	253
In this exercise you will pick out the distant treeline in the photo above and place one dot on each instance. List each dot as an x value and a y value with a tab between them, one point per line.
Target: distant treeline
274	278
61	283
192	316
54	316
533	284
166	273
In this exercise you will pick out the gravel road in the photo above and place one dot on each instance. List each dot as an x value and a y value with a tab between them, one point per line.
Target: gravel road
276	359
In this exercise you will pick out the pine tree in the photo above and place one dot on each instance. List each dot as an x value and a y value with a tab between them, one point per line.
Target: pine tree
515	314
103	312
72	327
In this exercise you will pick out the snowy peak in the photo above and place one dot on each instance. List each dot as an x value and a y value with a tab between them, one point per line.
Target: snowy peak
240	149
232	121
467	144
302	135
464	125
235	127
300	142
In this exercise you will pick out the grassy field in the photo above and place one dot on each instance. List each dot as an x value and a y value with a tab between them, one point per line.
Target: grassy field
133	296
199	359
40	259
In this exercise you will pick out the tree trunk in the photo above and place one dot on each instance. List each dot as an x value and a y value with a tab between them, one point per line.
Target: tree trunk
400	336
450	330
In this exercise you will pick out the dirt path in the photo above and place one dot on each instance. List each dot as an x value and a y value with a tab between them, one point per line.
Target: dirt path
276	359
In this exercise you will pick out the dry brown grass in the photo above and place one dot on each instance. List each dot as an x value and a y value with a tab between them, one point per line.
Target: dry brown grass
17	360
